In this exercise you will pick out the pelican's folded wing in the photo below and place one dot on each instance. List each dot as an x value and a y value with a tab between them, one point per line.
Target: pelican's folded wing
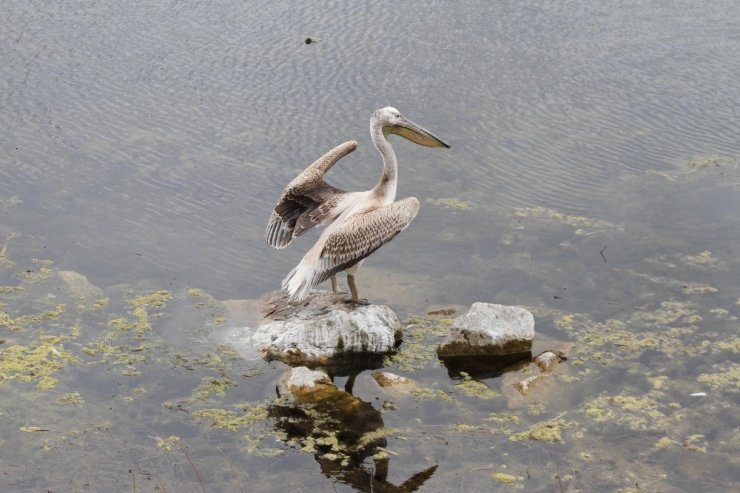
361	235
307	200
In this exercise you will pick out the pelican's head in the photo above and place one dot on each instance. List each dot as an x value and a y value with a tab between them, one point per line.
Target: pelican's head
391	121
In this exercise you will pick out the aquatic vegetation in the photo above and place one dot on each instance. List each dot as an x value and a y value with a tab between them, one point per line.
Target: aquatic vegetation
168	443
451	203
157	299
635	413
24	322
726	378
479	390
421	337
37	361
578	222
502	477
546	431
230	420
71	399
210	387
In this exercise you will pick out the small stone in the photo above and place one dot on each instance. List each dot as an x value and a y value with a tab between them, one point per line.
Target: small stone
526	385
394	382
302	383
489	329
546	361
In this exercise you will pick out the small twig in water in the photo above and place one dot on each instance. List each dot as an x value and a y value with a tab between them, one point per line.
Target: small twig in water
197	474
602	254
560	481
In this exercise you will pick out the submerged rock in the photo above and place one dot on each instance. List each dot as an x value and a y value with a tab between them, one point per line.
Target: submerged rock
323	328
302	383
489	330
391	381
547	361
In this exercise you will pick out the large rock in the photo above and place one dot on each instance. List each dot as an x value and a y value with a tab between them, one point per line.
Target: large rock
324	327
489	330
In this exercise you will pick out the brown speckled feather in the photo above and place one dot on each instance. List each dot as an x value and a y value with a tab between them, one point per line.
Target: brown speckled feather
361	235
307	200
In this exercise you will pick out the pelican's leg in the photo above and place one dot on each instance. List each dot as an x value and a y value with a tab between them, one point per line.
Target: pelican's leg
353	290
334	284
351	282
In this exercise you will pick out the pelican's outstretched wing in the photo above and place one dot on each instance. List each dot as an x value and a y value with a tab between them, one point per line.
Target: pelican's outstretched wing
307	200
351	242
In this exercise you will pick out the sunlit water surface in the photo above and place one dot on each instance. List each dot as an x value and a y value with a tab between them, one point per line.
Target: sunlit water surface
594	177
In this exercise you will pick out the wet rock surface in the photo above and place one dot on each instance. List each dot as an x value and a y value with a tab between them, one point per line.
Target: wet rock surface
489	330
317	331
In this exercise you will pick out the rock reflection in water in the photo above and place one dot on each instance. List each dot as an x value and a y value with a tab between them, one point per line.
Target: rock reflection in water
341	430
480	367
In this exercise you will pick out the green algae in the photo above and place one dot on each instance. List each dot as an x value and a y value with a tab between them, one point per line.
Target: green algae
635	413
546	431
726	378
502	477
37	361
418	351
476	389
230	420
451	203
168	444
156	299
664	443
578	222
211	386
428	393
71	399
24	322
503	418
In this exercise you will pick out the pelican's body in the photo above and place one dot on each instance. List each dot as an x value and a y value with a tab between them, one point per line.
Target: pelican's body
357	223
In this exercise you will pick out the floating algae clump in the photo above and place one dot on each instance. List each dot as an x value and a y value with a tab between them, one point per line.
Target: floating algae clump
727	379
71	399
547	431
21	323
139	326
451	203
421	336
502	477
35	362
543	213
156	299
230	420
211	386
637	413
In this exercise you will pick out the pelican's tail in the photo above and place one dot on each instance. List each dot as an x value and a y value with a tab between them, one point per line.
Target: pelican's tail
298	282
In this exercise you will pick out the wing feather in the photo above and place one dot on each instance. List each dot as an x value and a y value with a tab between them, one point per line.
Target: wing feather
307	200
362	234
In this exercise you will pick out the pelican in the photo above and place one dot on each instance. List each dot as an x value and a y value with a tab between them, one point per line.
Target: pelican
357	223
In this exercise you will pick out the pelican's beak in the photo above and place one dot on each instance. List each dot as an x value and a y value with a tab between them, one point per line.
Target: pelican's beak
413	132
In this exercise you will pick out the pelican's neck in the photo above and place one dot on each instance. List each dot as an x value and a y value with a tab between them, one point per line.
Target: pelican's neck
386	187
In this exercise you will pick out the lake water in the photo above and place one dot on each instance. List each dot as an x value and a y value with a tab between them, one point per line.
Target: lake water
594	178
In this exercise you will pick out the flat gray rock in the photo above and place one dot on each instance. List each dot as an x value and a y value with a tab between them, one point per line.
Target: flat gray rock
323	327
489	329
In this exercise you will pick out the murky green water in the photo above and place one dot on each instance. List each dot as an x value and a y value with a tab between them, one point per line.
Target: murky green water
594	177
